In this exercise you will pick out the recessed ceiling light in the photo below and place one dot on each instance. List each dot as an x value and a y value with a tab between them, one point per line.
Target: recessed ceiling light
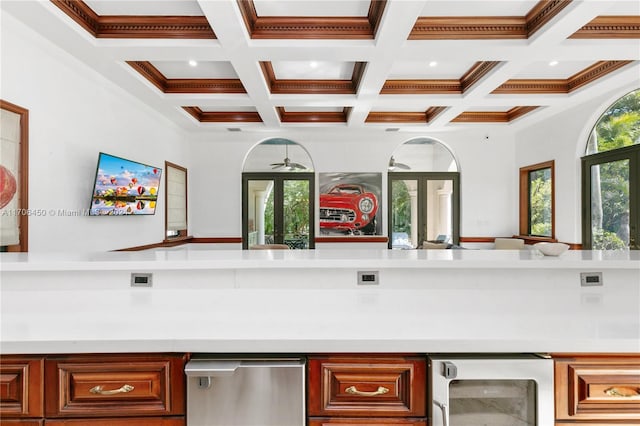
553	63
313	64
433	64
193	63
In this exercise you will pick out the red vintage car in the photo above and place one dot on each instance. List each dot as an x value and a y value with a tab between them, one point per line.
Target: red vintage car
348	208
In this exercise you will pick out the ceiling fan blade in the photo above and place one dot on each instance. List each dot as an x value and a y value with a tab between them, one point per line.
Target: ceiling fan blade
402	166
297	166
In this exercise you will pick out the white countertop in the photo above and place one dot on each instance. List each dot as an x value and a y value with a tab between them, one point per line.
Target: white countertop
191	257
308	302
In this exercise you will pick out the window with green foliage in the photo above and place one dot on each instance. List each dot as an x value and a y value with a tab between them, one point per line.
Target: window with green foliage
536	200
611	178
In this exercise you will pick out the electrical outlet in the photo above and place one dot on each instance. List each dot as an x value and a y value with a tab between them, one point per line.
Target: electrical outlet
591	279
139	279
368	278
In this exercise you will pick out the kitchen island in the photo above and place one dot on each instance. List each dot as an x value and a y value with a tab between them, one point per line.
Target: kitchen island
320	301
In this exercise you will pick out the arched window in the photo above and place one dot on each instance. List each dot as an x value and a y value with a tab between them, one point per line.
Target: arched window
611	178
277	196
424	195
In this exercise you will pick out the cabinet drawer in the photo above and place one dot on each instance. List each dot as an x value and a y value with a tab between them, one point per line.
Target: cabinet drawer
368	386
21	387
115	385
369	421
150	421
598	388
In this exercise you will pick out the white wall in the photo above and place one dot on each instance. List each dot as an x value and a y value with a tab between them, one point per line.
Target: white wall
563	138
73	114
488	182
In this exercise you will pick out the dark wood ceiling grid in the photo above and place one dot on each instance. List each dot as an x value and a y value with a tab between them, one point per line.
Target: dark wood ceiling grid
313	116
223	116
170	27
296	27
612	27
308	27
580	79
493	116
489	27
311	86
186	85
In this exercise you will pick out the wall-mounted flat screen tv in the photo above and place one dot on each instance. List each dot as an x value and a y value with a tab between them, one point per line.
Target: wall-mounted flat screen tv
124	187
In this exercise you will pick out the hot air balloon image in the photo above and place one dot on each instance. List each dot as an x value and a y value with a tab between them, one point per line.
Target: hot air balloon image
141	190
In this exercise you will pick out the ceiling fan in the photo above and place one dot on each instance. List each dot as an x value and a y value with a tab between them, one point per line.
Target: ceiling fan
394	166
286	163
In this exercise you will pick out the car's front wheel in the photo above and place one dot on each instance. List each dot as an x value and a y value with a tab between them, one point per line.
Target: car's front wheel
369	228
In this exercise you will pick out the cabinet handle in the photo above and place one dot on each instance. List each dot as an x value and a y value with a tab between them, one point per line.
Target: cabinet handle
623	391
98	390
353	391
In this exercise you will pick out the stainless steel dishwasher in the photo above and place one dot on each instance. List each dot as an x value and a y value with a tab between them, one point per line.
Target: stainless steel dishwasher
245	391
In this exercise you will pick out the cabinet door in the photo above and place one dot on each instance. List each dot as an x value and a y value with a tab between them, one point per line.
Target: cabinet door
598	388
367	386
115	385
21	387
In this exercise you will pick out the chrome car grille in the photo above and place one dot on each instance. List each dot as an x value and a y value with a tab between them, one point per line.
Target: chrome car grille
337	215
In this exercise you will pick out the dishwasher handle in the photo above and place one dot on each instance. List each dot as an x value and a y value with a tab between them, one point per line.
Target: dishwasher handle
225	367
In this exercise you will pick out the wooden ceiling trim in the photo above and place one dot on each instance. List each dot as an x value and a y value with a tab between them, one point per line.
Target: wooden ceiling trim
223	116
493	116
594	72
204	85
524	86
542	13
614	27
433	112
517	112
476	73
564	86
151	73
396	117
81	13
421	87
306	27
329	87
169	27
482	117
487	27
313	117
469	28
186	85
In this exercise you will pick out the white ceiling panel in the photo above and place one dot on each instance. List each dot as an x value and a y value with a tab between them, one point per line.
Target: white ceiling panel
312	7
313	70
430	68
478	7
546	69
145	7
203	69
312	109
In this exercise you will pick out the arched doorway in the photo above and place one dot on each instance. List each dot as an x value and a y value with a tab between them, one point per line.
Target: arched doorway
278	195
611	178
424	194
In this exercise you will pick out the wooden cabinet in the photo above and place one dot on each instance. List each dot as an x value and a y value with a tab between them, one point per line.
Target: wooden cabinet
357	390
96	390
604	389
21	388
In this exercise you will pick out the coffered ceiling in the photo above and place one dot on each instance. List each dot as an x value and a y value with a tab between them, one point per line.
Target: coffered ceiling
410	64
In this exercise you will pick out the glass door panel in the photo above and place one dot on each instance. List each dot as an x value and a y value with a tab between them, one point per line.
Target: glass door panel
404	214
277	208
423	207
296	213
610	205
260	212
438	224
492	402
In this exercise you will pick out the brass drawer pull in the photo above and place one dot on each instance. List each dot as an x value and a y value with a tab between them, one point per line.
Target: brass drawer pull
354	391
624	391
98	390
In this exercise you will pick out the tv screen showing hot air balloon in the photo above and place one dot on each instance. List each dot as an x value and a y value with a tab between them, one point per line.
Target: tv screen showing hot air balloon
124	187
